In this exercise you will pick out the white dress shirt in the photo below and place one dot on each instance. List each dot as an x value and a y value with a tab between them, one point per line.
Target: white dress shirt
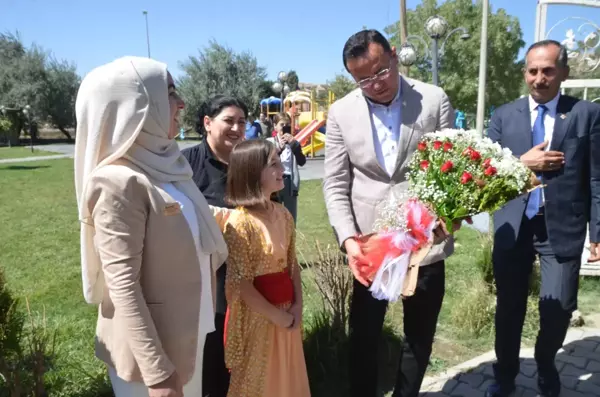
549	119
385	124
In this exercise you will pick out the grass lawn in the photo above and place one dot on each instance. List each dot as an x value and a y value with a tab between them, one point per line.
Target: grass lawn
39	251
21	152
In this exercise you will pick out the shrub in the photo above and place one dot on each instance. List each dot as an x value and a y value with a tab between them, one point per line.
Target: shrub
26	348
473	316
333	280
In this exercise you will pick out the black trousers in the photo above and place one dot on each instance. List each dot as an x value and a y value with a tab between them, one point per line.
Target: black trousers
215	376
558	300
420	319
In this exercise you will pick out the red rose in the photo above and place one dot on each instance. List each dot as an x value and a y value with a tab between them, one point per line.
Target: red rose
487	163
466	178
489	171
424	164
447	166
475	156
437	145
422	146
467	151
447	146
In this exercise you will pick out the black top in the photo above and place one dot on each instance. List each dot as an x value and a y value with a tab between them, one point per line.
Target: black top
210	175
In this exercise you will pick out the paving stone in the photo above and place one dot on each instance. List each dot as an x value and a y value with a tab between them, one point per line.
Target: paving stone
572	393
488	370
559	365
589	345
484	386
473	380
526	382
579	362
465	390
586	353
529	393
529	369
449	386
588	387
570	382
593	366
570	370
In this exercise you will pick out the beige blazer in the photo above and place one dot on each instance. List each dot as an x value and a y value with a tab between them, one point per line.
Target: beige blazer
148	319
355	183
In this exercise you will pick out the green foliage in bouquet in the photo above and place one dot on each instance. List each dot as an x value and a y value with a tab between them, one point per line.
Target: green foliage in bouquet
460	174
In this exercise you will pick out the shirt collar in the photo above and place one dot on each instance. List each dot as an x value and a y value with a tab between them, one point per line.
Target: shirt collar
394	101
210	155
551	105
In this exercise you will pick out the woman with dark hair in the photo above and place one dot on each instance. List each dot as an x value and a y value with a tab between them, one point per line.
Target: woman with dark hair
222	122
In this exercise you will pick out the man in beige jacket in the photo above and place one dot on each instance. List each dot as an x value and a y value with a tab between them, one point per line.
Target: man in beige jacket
371	135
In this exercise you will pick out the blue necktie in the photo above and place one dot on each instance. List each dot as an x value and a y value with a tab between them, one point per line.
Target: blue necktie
538	132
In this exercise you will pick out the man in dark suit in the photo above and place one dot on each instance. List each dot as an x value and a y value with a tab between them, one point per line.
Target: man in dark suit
557	137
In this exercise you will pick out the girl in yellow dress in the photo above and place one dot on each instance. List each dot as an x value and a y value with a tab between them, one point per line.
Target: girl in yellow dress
263	341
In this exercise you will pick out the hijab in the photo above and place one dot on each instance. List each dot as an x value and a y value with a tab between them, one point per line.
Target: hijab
123	111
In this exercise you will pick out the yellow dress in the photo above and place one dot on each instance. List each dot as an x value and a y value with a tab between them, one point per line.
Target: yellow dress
265	360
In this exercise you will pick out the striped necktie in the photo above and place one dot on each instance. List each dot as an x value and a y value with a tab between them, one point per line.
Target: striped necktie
538	134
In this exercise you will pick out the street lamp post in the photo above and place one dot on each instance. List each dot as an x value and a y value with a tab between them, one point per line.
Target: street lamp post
281	86
27	113
436	28
147	32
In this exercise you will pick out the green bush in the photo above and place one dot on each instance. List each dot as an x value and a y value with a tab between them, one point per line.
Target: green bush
26	348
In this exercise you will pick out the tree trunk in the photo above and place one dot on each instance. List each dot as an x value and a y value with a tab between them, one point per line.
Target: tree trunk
65	132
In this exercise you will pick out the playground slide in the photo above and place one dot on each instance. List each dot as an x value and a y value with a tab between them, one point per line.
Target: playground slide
317	143
308	131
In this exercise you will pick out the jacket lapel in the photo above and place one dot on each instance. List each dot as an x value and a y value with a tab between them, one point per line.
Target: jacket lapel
411	108
524	120
365	130
560	123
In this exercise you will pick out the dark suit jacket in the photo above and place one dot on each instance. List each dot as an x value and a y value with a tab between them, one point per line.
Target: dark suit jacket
572	194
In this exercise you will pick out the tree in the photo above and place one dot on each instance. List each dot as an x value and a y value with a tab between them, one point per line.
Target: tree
341	85
30	76
63	83
219	70
459	66
292	80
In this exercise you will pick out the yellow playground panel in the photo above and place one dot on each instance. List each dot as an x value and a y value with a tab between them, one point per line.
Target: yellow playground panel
309	117
317	143
306	107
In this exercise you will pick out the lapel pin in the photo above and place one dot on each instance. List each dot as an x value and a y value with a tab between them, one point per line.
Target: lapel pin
563	116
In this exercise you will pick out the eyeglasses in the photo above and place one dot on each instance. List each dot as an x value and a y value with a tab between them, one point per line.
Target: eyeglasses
381	75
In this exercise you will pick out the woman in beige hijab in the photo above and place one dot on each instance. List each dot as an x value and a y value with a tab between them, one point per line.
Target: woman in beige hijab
147	233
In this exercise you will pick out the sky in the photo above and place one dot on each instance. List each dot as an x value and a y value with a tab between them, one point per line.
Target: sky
304	35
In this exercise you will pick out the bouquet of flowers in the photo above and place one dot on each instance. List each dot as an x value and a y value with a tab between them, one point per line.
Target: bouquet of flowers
453	175
392	255
459	174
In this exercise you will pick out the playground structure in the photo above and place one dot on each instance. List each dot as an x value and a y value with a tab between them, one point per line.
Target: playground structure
308	117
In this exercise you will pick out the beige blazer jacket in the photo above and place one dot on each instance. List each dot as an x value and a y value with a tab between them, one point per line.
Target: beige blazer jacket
148	319
355	183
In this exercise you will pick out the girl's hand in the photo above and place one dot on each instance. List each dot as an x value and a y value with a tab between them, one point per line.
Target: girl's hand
288	138
296	311
283	319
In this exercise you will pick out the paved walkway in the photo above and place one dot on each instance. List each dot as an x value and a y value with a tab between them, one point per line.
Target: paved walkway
578	362
34	158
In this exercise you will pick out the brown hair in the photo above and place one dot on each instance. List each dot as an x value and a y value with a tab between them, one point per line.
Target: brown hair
282	116
247	161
